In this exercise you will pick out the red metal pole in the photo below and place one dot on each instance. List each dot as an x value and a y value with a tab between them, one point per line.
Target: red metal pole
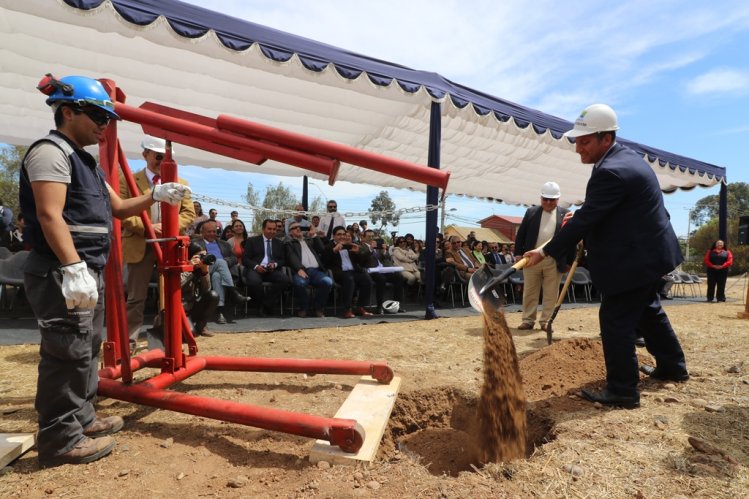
151	358
347	154
378	370
316	163
345	433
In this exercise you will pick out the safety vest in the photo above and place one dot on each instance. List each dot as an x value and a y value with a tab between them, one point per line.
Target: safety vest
87	210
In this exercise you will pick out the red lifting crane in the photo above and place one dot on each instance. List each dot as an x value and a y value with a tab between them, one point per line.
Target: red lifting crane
254	143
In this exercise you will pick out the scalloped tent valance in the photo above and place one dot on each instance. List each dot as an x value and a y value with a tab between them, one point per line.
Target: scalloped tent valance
208	63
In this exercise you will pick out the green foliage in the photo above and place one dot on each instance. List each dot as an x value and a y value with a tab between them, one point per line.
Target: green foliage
10	168
276	198
382	202
704	237
706	209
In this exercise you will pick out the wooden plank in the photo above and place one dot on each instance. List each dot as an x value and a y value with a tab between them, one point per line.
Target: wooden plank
370	404
13	445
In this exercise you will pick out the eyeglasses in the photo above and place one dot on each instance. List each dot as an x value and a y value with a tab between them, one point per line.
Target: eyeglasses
548	200
99	118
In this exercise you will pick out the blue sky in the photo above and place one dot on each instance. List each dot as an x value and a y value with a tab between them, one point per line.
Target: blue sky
676	72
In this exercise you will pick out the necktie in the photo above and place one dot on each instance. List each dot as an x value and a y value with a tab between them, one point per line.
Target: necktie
156	207
330	227
268	250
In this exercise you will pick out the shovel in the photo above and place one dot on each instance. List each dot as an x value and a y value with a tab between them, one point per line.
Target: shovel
563	292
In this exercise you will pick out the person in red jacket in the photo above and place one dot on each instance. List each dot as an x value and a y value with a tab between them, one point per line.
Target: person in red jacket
717	259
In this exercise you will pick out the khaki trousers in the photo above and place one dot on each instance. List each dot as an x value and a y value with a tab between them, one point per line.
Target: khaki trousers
542	276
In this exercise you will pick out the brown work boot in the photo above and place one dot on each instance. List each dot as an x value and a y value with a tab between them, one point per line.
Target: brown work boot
525	326
104	426
85	451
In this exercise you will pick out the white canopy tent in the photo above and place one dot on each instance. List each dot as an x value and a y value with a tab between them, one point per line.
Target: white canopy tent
203	62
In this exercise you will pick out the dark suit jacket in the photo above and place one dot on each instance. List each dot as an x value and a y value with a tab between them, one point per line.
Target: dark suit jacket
624	223
294	253
333	260
254	252
528	234
226	251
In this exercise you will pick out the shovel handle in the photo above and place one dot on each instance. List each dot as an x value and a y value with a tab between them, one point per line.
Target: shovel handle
507	273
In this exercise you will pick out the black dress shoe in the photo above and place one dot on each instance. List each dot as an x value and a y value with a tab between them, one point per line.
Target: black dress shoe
238	297
605	397
658	373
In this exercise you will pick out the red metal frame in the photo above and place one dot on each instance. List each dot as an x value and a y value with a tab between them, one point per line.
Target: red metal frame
250	142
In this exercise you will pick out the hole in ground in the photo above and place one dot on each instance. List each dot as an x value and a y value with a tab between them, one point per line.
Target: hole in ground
439	427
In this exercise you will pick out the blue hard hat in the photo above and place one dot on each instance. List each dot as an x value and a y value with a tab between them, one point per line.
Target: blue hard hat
81	91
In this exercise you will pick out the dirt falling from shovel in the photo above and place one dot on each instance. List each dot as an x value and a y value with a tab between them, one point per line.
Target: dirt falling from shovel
502	418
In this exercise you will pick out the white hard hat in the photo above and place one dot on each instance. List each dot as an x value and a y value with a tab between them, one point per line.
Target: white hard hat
154	144
391	306
593	119
550	190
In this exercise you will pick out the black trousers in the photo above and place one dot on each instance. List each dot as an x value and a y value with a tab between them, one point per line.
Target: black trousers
622	316
203	309
716	278
395	278
254	282
351	280
69	361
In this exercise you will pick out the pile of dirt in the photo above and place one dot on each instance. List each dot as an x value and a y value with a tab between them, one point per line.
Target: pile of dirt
562	368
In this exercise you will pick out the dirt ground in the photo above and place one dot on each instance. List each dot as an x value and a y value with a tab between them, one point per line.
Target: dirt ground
577	449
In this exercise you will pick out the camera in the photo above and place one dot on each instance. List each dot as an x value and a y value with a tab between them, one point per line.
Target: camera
348	246
207	259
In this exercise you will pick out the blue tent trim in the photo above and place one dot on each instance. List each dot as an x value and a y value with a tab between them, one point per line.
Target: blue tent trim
236	34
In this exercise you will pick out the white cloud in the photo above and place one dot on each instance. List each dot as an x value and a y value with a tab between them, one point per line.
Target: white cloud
720	81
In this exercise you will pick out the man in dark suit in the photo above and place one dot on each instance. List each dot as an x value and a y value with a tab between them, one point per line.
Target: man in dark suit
303	257
263	260
347	260
380	259
630	245
222	281
493	256
539	224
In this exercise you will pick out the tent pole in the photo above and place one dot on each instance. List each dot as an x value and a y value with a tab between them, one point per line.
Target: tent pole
723	211
433	161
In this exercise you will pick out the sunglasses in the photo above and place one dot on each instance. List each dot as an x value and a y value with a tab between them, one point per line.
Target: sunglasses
159	157
332	206
548	200
100	118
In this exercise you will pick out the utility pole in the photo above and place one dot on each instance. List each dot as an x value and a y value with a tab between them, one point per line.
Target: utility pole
689	230
442	219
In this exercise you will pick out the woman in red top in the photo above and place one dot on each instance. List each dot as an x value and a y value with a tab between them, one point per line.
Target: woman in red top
717	259
239	235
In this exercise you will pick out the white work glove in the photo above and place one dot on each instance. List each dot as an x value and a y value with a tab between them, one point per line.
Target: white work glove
78	287
171	192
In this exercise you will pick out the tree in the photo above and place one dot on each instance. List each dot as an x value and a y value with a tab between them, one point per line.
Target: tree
706	208
705	217
276	198
10	168
383	203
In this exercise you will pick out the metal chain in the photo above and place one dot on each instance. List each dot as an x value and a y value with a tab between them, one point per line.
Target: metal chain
348	214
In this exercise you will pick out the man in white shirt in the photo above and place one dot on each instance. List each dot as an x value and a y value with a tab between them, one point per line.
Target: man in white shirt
330	221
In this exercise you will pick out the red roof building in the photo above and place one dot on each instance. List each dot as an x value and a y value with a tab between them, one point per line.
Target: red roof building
506	225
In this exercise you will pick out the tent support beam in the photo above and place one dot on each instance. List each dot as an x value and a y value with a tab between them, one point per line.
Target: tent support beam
433	161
